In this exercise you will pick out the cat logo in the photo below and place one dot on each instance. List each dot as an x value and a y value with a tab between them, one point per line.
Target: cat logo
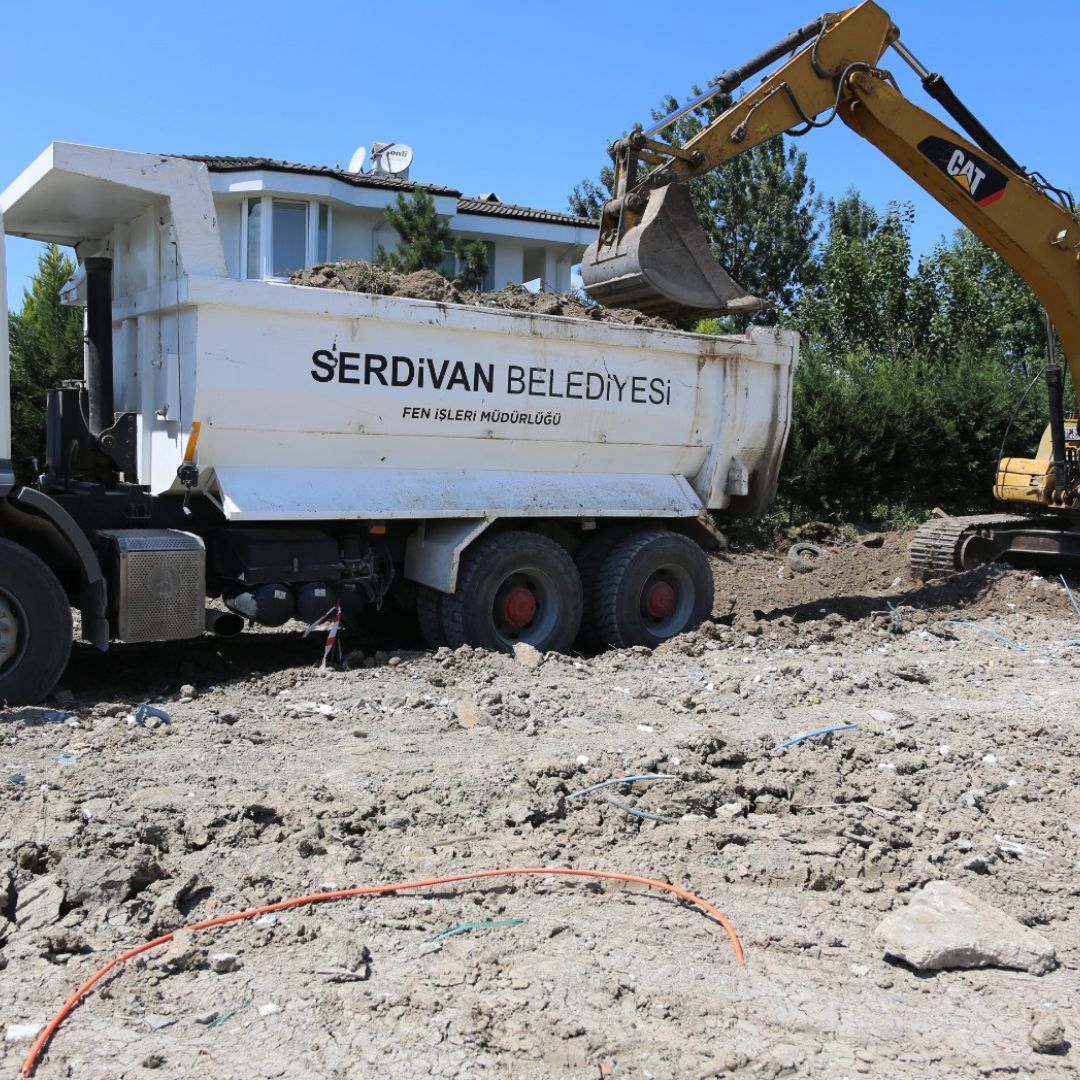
978	178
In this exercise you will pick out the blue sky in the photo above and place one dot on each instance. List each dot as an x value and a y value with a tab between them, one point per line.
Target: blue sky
520	99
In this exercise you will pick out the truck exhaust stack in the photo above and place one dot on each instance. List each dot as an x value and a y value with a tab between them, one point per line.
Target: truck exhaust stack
662	265
99	350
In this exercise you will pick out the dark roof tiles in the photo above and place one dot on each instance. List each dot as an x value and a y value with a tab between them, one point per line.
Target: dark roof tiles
394	183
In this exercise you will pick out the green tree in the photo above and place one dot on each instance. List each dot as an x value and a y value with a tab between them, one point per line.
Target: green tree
758	210
861	297
908	381
424	240
46	349
977	303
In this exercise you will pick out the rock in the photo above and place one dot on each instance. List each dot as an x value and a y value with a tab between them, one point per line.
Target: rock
182	954
528	656
206	1017
223	962
945	926
98	881
872	540
38	904
188	691
157	1022
21	1032
470	715
1047	1035
518	813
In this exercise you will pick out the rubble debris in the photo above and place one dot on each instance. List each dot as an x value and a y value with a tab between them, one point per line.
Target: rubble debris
356	276
21	1032
528	656
945	927
224	963
146	715
38	904
1047	1034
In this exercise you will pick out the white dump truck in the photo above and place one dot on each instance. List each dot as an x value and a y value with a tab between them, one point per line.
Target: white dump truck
289	450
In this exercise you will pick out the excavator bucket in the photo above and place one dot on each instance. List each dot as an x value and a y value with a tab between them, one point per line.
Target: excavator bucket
663	265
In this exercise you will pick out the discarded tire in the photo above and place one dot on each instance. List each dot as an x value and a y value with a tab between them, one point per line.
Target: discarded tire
514	587
35	627
654	584
804	558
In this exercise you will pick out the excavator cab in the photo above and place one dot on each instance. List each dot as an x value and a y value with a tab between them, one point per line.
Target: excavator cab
661	264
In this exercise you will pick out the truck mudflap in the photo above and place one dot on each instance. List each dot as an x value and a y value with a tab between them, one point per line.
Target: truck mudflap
68	542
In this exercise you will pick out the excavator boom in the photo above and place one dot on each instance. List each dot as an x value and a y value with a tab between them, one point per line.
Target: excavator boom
651	252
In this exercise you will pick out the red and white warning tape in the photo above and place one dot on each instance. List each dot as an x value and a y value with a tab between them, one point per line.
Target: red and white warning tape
331	637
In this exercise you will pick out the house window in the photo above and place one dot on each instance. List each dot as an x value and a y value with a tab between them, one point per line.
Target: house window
283	235
289	231
322	244
533	264
253	248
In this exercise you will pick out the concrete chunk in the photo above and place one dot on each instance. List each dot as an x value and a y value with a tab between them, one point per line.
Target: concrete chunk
38	904
947	927
528	656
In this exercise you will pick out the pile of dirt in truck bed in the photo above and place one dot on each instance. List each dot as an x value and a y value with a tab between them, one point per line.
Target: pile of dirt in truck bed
272	779
356	276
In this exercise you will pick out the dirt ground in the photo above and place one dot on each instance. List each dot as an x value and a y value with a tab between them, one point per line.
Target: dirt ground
277	779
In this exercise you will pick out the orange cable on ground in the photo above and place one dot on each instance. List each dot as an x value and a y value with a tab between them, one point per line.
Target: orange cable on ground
53	1025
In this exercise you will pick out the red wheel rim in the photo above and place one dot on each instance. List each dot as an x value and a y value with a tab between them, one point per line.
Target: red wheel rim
519	607
660	600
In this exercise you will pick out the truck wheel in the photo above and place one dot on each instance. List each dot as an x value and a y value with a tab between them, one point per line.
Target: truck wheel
514	587
35	627
429	605
590	559
654	584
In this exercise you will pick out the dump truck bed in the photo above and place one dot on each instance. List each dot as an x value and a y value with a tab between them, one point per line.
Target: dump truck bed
316	404
321	405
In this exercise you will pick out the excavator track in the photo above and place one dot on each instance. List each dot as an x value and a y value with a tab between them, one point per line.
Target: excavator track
938	546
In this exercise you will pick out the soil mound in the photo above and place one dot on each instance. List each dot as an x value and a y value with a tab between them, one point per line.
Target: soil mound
356	276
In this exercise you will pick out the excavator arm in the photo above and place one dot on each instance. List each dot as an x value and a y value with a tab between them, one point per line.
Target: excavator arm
652	253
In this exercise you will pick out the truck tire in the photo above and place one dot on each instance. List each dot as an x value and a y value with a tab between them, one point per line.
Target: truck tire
429	604
514	587
35	627
590	559
654	584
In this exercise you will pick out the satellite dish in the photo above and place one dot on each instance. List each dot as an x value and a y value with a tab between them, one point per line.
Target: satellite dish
391	158
398	157
356	162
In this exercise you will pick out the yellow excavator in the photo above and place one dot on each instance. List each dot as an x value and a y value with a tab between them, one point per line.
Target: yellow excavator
652	254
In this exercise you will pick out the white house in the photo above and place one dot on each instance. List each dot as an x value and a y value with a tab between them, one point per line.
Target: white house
276	217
